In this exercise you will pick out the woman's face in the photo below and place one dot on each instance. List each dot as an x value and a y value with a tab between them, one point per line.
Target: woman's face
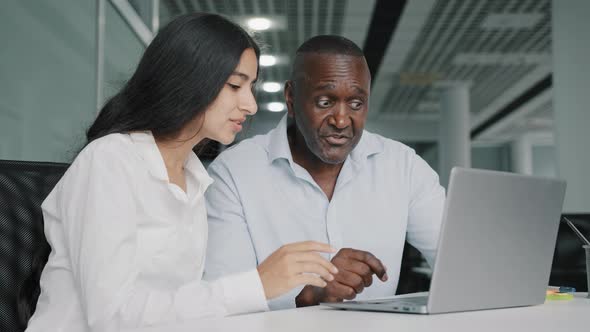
227	113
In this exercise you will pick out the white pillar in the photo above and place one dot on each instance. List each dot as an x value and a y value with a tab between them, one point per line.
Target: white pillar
454	142
521	153
571	82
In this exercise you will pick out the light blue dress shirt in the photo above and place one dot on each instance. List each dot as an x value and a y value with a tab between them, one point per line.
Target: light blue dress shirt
260	200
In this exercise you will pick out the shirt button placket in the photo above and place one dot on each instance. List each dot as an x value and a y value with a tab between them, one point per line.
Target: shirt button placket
332	227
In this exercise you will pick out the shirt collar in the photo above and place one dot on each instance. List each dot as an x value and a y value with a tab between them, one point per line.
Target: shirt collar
366	147
195	167
278	145
149	152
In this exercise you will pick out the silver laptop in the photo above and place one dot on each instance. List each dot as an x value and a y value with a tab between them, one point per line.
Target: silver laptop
495	248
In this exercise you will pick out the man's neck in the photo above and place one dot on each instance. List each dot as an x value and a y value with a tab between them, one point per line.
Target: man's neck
324	174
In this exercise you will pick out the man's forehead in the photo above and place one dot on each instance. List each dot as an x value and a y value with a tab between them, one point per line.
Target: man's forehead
314	66
314	58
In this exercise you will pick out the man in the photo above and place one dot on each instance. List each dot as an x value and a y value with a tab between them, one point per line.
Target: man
322	177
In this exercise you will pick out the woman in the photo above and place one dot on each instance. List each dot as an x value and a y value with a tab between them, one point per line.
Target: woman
127	222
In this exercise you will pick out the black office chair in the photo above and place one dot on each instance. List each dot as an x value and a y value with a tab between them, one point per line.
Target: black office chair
569	260
411	278
23	187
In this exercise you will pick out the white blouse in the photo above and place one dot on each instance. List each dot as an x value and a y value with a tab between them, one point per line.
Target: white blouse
128	247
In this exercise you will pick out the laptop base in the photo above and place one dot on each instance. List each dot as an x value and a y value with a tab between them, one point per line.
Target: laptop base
410	305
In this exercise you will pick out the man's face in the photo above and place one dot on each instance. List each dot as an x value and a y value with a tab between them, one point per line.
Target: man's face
329	101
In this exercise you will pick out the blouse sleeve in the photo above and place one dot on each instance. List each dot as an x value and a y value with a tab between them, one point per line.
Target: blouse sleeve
98	205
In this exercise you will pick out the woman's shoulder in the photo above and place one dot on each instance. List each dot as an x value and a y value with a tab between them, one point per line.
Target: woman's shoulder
109	160
109	145
113	151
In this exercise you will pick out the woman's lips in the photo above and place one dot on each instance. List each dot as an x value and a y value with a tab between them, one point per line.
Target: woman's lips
237	125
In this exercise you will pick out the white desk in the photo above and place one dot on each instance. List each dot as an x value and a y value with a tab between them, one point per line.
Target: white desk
553	316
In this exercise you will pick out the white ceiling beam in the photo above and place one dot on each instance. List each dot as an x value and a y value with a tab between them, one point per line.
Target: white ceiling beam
465	20
490	82
155	19
518	115
356	20
509	95
406	96
130	16
410	25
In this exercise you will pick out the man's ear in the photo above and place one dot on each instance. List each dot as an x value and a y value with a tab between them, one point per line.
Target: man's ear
289	98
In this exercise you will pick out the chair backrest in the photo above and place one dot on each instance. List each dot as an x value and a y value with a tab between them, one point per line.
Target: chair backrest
569	260
23	187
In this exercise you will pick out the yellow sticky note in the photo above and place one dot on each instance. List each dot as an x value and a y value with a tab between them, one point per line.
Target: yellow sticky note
559	296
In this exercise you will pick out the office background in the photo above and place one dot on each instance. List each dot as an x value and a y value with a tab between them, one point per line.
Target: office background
492	60
494	84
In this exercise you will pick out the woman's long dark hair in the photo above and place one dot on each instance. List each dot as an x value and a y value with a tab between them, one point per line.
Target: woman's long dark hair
179	75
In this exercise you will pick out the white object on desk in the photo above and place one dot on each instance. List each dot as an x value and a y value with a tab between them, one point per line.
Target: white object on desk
573	315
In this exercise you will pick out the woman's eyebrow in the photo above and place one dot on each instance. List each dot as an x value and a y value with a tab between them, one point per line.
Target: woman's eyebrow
241	75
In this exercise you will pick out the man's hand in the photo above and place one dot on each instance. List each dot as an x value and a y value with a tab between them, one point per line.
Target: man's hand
355	272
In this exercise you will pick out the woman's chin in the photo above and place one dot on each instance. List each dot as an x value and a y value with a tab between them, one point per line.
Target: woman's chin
227	140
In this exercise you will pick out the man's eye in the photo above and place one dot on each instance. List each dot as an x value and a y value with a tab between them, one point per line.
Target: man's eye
233	86
324	103
356	105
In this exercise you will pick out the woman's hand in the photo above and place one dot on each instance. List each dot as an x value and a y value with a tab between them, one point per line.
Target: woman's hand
296	264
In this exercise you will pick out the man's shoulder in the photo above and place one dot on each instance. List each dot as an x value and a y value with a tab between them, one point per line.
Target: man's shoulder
395	155
250	150
387	146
